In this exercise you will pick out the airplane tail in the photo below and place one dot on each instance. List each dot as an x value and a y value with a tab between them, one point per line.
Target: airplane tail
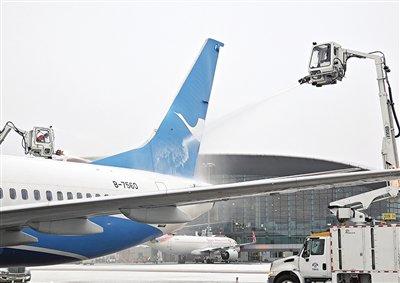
174	148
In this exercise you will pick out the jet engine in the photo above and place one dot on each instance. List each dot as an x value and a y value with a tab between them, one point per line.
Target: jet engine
230	255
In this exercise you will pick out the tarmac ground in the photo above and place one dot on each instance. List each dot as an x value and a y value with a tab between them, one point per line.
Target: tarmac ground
152	273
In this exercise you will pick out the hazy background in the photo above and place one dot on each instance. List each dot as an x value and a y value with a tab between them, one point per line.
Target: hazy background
104	74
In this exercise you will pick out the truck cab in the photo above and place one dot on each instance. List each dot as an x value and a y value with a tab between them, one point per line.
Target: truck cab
313	264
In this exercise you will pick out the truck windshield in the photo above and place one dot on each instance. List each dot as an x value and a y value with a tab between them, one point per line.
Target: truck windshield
313	246
321	56
42	136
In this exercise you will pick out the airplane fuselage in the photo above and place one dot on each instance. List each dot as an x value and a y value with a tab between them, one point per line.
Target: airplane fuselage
26	182
191	245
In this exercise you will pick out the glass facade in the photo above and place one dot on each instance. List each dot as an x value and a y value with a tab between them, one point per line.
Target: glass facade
277	219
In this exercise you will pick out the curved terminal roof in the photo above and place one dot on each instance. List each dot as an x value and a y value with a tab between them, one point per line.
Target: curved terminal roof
265	165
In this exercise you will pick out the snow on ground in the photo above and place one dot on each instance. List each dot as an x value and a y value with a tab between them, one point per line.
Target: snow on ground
147	273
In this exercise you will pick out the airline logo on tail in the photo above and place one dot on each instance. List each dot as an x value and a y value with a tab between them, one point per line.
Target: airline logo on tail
197	130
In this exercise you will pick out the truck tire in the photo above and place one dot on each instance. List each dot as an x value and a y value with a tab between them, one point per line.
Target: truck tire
287	278
181	259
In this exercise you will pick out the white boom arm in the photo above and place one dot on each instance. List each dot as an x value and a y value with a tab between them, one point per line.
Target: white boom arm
3	134
351	208
389	148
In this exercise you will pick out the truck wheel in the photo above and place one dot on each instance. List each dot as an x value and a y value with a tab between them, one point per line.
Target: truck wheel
287	278
181	259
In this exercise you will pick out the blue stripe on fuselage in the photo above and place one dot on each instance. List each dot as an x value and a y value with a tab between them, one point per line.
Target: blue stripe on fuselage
119	233
16	257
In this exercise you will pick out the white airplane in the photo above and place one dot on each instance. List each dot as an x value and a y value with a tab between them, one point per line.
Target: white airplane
202	246
55	212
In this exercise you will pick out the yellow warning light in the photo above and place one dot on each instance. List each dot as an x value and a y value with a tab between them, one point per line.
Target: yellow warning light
320	234
388	216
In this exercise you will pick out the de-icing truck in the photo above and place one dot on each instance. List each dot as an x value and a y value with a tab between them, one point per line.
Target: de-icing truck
359	249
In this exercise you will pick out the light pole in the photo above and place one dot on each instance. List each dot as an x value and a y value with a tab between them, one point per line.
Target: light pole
209	167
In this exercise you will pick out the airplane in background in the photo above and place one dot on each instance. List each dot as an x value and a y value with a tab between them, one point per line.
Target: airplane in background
203	247
55	212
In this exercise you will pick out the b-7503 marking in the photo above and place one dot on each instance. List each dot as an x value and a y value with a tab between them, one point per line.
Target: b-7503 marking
125	185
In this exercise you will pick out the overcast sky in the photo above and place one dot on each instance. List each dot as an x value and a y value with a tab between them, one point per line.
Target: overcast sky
104	74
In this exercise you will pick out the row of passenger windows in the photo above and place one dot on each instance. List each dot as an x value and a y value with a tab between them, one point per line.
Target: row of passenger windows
49	195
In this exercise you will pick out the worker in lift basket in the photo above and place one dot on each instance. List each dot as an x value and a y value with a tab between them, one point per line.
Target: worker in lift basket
42	137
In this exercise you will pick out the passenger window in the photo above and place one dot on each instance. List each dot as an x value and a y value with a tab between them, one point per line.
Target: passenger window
13	194
49	195
36	194
69	195
78	195
88	195
1	193
60	195
24	194
97	195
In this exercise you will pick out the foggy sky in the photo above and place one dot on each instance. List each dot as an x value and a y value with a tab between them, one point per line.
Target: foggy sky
105	73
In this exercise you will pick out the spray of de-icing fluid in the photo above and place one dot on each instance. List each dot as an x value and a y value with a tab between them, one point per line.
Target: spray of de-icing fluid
246	108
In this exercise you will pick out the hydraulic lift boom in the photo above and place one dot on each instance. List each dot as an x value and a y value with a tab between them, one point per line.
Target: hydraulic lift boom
328	64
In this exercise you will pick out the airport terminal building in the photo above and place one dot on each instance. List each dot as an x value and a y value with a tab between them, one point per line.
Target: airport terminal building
281	222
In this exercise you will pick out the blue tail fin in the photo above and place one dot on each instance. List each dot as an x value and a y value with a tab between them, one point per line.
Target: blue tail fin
174	148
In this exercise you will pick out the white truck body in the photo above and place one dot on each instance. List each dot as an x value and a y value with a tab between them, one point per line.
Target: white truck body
370	250
345	254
